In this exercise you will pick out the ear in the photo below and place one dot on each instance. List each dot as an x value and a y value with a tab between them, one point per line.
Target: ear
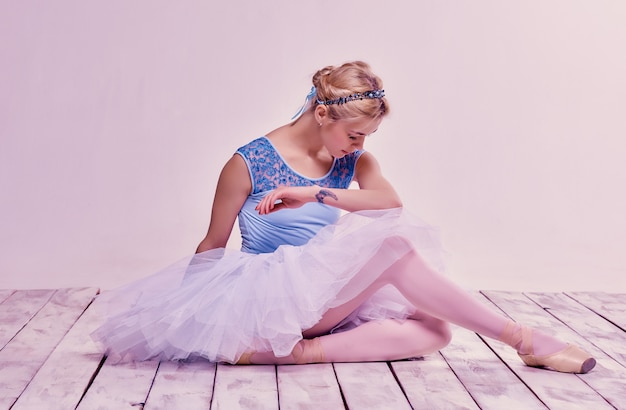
321	114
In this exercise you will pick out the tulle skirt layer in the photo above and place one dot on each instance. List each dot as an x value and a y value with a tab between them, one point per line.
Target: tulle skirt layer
221	303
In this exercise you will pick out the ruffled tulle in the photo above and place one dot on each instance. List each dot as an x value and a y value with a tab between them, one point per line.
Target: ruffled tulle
221	303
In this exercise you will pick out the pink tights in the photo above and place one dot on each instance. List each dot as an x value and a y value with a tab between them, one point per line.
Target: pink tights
438	302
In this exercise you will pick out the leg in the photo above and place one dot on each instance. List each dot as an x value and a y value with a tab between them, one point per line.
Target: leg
386	340
439	298
380	340
436	296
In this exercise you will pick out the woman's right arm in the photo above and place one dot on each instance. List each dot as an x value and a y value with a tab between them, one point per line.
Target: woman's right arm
233	188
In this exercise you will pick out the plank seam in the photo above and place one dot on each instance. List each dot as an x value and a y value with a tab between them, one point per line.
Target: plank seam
459	379
343	397
213	387
145	401
276	382
102	360
399	383
91	380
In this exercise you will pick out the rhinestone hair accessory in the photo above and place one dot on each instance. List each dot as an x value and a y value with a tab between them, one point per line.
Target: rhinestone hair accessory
367	95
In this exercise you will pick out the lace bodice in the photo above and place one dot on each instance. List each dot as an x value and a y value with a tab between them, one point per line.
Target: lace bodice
268	169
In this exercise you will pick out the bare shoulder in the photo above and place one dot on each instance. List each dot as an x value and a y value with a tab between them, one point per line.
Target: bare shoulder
368	174
279	134
281	139
367	163
235	175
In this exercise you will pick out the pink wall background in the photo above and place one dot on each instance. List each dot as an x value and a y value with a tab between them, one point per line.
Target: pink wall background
508	128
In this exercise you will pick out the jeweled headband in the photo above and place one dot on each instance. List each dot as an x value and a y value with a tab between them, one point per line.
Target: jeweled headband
342	100
353	97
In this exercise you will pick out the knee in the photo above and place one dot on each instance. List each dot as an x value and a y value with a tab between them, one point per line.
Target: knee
439	335
443	335
401	250
429	337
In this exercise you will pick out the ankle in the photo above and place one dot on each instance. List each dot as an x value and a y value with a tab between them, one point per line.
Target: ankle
526	340
517	336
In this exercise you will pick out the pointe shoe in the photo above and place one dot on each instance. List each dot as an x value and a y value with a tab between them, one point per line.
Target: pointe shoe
245	358
311	352
569	360
305	351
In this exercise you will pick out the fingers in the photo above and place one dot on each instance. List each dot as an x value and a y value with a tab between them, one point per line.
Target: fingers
266	207
277	207
280	198
268	204
261	206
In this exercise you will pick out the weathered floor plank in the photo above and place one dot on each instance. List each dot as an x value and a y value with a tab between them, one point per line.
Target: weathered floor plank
430	383
370	386
182	386
61	381
308	387
120	386
488	380
245	387
23	356
18	309
611	306
5	293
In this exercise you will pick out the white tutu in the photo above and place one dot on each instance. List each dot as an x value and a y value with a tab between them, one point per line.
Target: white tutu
221	303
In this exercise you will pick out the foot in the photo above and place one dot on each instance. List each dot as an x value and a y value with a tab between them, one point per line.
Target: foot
305	351
308	351
546	351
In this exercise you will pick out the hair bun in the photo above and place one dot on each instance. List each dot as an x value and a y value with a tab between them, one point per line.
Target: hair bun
333	82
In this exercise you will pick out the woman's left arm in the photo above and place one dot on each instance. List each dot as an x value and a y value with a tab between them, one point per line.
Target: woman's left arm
375	192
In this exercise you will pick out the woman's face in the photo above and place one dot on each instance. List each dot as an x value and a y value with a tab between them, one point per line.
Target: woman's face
342	137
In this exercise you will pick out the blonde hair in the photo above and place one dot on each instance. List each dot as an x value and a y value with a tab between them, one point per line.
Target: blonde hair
354	77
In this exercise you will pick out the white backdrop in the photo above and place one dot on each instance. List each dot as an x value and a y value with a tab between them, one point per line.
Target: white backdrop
508	128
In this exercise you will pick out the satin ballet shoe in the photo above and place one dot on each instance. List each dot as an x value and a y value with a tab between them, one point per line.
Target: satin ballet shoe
245	358
305	351
311	352
569	360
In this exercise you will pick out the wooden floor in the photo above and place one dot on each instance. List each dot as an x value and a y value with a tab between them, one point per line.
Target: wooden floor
47	361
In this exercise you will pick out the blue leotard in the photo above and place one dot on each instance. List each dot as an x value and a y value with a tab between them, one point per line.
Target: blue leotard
268	170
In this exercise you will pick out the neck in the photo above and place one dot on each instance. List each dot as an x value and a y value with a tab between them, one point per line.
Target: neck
306	133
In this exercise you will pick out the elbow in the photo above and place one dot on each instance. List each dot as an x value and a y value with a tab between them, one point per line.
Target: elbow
393	201
396	203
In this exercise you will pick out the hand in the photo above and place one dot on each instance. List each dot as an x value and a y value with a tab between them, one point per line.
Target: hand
287	197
